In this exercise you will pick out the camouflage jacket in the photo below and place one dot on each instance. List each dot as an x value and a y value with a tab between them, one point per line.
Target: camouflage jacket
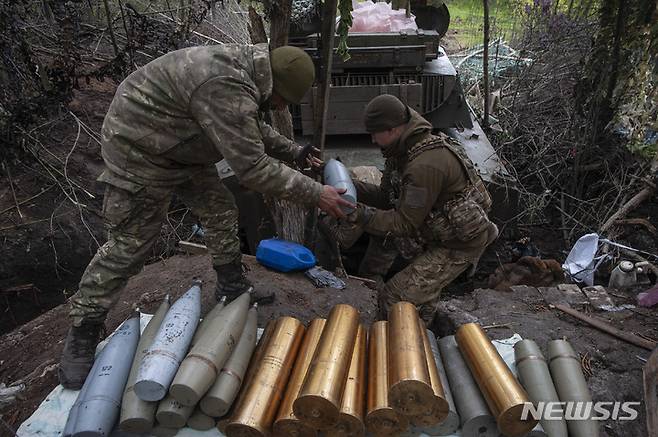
192	107
412	190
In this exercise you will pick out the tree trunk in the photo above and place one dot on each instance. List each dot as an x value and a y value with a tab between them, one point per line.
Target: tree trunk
289	217
280	23
256	27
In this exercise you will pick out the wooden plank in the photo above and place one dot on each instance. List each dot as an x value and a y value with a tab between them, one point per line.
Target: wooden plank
321	95
608	329
366	93
345	114
650	379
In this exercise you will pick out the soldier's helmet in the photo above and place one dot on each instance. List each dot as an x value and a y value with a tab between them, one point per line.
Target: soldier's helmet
293	73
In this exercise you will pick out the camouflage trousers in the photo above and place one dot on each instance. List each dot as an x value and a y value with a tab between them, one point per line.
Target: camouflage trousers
422	281
378	259
133	215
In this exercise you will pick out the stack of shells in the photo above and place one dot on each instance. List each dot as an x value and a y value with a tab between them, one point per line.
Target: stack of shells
334	378
338	378
177	373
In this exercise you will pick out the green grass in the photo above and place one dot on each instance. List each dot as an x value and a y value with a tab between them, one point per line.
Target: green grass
467	19
506	17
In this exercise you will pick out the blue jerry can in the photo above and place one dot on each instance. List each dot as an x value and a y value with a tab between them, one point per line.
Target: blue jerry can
284	256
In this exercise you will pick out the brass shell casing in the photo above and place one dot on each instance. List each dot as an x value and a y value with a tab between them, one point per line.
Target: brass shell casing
257	405
440	407
501	390
318	403
286	423
254	363
352	406
410	391
381	419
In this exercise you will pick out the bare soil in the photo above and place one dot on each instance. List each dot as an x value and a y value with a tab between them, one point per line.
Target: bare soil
49	242
613	368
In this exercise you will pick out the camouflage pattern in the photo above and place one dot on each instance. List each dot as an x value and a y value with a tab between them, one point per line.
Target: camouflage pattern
424	175
422	281
134	215
464	217
169	122
191	108
378	259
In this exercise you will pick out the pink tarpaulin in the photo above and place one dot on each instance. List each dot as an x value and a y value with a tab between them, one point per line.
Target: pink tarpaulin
379	17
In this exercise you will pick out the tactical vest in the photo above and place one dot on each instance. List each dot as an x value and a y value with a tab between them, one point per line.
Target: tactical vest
462	218
476	190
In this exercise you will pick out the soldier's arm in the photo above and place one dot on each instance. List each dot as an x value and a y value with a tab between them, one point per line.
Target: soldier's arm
227	110
277	145
371	195
421	185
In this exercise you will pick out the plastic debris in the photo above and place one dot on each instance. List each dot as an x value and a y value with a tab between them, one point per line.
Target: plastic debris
582	262
283	255
380	17
648	298
9	394
324	278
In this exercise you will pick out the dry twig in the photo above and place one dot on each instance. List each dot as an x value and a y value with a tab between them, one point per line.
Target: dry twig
22	202
13	193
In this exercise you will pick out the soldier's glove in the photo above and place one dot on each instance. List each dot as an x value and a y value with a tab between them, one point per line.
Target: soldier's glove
351	229
343	232
362	215
304	157
346	232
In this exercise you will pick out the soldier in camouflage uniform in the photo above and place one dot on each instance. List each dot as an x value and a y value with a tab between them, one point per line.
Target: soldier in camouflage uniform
431	208
169	123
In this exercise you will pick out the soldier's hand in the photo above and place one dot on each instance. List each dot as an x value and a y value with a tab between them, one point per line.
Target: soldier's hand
304	157
313	161
361	215
331	202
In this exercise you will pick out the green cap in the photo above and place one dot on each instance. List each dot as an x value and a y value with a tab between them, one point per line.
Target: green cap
385	112
293	73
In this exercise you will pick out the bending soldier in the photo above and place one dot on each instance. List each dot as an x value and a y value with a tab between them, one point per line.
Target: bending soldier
431	208
168	124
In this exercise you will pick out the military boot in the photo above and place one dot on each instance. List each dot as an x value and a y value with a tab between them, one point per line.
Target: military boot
232	282
78	354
